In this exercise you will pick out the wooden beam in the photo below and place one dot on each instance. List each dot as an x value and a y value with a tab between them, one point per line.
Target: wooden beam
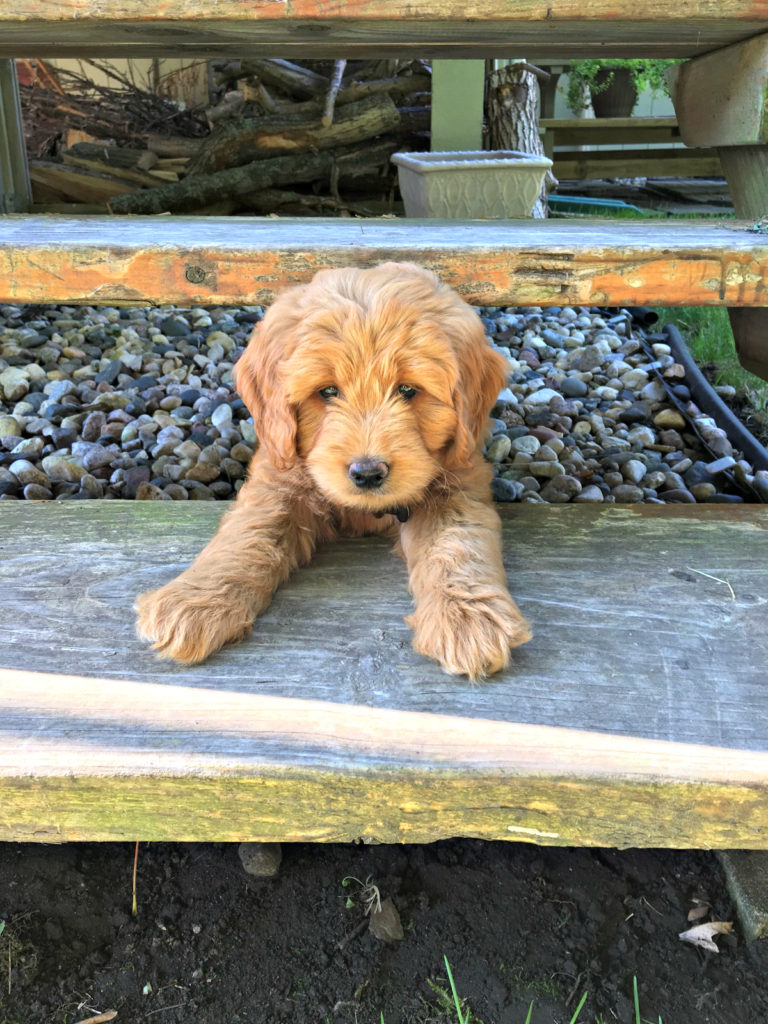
607	131
562	30
215	260
103	760
15	192
632	163
722	99
456	105
636	716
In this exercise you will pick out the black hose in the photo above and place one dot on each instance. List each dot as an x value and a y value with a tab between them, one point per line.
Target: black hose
643	316
711	404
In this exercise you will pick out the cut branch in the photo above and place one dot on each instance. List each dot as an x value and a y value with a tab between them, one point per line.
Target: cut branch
261	138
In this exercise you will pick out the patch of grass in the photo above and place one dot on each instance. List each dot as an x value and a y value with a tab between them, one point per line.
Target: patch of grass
707	333
638	1018
519	981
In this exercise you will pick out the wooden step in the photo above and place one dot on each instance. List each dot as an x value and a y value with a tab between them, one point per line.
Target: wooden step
215	260
566	30
638	714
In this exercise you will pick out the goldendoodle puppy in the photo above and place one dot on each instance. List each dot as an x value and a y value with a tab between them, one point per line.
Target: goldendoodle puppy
370	392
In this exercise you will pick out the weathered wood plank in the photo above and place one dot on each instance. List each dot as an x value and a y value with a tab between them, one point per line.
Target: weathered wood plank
654	650
722	99
638	715
631	163
216	260
95	760
559	30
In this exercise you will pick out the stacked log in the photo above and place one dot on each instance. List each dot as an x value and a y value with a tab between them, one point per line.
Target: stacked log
277	137
295	140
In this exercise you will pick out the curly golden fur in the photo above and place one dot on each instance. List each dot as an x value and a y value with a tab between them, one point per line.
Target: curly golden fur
370	392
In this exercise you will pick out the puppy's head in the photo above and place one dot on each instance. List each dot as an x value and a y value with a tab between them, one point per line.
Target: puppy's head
379	380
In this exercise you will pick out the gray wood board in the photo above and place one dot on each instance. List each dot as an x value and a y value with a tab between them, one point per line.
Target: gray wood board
649	621
543	39
212	260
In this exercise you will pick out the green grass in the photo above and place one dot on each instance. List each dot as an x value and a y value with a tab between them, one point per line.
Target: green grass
450	1007
706	331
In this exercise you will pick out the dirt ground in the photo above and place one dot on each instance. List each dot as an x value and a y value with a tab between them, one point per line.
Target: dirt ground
213	945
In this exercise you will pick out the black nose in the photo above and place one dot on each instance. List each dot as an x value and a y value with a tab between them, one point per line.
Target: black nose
368	474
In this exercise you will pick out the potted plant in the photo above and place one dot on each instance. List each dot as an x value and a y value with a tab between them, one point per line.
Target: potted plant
598	79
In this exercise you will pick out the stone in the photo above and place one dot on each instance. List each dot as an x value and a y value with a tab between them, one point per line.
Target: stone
63	468
588	358
669	418
204	472
260	859
633	470
703	491
29	447
591	493
14	383
546	469
643	436
498	449
36	492
527	444
506	490
678	496
150	492
626	494
746	877
93	456
9	427
574	387
27	473
561	489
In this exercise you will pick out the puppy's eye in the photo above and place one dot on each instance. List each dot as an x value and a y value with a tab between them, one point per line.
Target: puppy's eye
406	391
328	393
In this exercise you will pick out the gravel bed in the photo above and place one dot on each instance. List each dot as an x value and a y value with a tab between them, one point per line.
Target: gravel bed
138	403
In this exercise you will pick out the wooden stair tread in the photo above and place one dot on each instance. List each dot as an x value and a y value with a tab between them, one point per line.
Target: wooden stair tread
242	261
569	29
637	715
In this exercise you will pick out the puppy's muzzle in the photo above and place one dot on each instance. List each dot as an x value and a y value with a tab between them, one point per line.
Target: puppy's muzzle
368	474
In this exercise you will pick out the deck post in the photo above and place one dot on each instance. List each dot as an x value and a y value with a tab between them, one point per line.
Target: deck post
15	191
457	105
721	101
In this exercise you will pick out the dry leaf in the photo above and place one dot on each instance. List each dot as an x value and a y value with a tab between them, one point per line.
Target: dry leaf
701	934
385	922
700	910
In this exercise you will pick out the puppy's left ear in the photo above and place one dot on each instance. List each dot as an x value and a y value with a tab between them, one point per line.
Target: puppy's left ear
258	383
482	374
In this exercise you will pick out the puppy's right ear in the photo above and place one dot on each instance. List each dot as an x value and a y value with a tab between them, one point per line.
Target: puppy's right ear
258	383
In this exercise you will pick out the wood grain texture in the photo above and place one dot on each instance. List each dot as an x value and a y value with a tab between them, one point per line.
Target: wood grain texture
558	30
631	163
722	99
637	716
217	260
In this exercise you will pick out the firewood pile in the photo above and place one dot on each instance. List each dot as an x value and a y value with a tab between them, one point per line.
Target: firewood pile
277	137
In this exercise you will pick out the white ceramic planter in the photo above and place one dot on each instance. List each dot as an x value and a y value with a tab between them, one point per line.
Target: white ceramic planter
485	184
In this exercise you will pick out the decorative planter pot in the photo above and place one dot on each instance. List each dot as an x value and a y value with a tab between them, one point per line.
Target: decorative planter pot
481	184
616	95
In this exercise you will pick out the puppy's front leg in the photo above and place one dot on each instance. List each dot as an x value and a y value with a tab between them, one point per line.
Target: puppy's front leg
464	617
259	542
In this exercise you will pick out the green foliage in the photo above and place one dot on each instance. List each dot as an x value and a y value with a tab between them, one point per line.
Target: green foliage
707	333
646	74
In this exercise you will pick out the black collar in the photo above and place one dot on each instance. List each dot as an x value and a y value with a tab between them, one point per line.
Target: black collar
402	513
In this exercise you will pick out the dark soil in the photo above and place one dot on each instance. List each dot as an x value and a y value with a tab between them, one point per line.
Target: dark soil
517	923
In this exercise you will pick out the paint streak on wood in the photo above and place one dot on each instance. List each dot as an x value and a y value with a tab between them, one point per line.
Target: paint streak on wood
570	29
178	259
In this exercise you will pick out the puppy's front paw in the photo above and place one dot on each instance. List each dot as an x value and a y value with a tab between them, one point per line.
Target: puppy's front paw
187	623
469	636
